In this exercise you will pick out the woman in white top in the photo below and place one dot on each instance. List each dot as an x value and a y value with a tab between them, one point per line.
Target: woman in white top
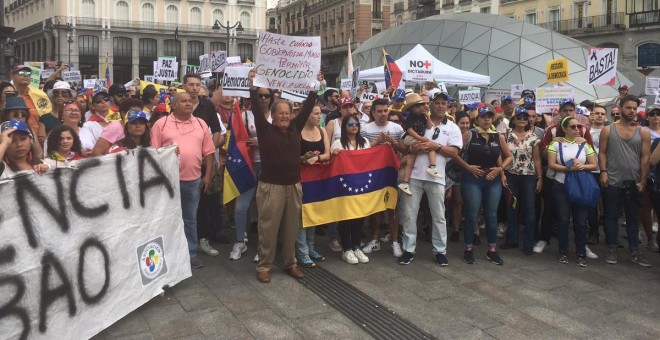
350	231
582	157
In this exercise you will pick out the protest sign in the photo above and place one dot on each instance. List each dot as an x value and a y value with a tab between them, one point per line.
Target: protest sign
193	69
419	71
469	96
294	95
89	83
149	78
369	97
205	65
218	61
381	86
235	81
516	91
652	86
495	94
71	76
234	61
79	253
346	83
288	62
548	98
166	68
442	86
557	70
101	83
602	66
642	104
35	78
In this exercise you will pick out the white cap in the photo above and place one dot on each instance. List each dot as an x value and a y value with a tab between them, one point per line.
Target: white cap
61	85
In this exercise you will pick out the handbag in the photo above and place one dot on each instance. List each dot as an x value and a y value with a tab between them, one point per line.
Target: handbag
580	186
455	171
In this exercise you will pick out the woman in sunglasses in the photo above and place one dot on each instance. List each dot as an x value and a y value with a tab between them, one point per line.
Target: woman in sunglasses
6	90
98	118
487	155
525	179
562	158
60	94
65	147
114	131
350	231
653	182
136	132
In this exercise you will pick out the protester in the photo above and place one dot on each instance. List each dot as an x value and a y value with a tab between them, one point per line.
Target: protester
65	148
223	104
398	101
136	132
100	116
16	109
6	90
501	121
624	165
114	131
18	157
36	100
646	217
331	109
463	122
60	93
150	99
332	125
118	93
193	138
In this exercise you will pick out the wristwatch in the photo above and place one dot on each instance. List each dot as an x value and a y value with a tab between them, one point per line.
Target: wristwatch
439	147
318	158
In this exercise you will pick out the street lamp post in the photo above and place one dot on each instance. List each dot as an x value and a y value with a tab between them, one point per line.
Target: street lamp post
217	25
69	33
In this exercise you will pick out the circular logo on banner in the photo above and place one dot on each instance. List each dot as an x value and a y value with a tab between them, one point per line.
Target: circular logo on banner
151	260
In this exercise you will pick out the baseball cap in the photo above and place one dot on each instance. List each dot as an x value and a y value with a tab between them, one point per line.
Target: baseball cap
438	94
19	67
655	108
506	98
485	111
623	87
117	88
19	125
133	115
399	94
99	92
527	93
566	102
344	101
61	85
520	111
581	110
471	106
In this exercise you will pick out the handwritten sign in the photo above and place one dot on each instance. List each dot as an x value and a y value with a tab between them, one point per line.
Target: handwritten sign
602	65
234	61
288	62
149	78
469	96
235	81
557	70
652	86
419	70
192	69
89	83
218	61
205	65
369	97
71	76
167	69
61	270
549	98
346	83
295	96
495	94
516	91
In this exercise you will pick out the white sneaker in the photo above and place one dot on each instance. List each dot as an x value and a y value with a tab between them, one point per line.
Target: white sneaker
360	256
433	171
396	249
386	238
349	257
540	245
256	258
206	248
591	254
501	230
403	186
373	245
238	250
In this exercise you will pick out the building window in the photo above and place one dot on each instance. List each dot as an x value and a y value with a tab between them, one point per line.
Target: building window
123	47
217	15
121	11
218	46
399	20
88	45
148	12
172	14
648	55
245	20
245	51
173	48
195	16
88	9
485	10
195	49
148	53
530	18
122	64
88	55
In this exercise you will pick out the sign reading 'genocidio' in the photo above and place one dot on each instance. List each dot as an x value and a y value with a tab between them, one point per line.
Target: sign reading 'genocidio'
288	62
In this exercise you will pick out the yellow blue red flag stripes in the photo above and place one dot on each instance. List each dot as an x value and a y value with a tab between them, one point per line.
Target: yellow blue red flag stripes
393	74
106	71
239	171
354	184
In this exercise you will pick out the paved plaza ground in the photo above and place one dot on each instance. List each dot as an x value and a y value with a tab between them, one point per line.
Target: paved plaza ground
528	297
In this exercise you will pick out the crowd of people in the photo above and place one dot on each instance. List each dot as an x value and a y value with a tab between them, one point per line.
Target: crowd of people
500	167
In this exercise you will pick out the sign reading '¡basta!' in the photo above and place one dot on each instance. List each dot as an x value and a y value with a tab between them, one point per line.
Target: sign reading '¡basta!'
288	62
602	66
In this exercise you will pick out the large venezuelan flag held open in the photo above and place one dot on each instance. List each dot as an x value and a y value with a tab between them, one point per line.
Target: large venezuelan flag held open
354	184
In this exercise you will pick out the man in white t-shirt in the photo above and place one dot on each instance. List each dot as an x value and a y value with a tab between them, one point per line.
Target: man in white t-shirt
445	138
382	131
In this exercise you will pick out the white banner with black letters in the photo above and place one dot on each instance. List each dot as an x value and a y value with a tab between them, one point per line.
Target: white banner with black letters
602	65
81	248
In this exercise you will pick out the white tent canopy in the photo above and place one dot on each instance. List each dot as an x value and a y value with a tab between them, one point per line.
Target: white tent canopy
441	71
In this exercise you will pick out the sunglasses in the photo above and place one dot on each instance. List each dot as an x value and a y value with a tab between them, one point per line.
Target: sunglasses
102	99
19	114
652	114
58	93
351	124
25	73
436	133
521	117
123	95
264	96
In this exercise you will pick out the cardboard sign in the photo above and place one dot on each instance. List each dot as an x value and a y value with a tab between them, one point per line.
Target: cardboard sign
166	68
149	78
61	270
235	81
293	95
288	62
652	86
71	76
419	71
369	97
346	84
602	66
469	96
35	78
516	91
204	65
495	94
557	70
549	98
89	83
218	61
234	61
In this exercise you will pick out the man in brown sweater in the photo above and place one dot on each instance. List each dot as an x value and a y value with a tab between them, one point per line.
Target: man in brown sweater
279	192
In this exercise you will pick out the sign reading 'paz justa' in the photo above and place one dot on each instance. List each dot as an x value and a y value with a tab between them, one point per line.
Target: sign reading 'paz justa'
557	70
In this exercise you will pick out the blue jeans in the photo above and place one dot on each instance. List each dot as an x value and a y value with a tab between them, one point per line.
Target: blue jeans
189	201
565	209
477	192
523	188
305	240
409	208
242	205
615	198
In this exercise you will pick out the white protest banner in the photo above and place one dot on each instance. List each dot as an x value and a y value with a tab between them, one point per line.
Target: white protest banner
419	70
294	95
79	253
234	61
346	83
149	78
495	94
381	86
369	97
442	86
46	73
516	91
218	61
288	62
642	104
205	65
101	83
652	86
469	96
602	65
235	81
548	98
167	69
71	76
89	83
190	69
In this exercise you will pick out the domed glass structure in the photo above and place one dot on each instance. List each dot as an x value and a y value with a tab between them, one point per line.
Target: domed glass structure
510	51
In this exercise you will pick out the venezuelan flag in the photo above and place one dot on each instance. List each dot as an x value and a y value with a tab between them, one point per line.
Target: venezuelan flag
239	172
106	71
354	184
393	74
